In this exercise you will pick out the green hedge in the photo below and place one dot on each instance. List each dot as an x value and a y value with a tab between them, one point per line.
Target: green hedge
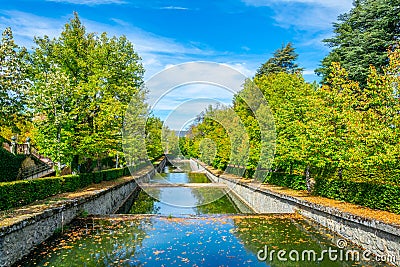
372	195
19	193
293	181
9	165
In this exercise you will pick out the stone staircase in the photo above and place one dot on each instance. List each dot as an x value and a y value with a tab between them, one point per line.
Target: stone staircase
44	166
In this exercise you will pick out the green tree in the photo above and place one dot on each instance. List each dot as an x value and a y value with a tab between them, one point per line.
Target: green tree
153	137
95	78
359	127
293	103
13	81
362	37
170	142
283	60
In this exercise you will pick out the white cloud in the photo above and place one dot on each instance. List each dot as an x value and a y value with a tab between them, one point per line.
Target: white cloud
304	14
337	4
156	51
187	111
26	26
308	72
242	68
174	8
194	85
89	2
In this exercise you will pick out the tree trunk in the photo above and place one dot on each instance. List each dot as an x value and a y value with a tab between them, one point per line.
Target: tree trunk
340	173
75	164
309	180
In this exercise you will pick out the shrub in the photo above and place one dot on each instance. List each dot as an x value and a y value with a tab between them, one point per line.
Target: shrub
70	183
19	193
85	179
297	182
9	165
98	177
372	195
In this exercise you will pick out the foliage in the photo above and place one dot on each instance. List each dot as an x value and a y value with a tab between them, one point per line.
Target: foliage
209	139
170	141
293	181
293	103
153	137
282	61
9	165
82	85
337	132
370	194
362	37
13	80
19	193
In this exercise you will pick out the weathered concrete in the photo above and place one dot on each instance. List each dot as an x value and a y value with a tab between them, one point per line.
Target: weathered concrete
382	239
20	239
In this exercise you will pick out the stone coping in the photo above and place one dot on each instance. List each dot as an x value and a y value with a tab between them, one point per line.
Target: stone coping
378	219
17	218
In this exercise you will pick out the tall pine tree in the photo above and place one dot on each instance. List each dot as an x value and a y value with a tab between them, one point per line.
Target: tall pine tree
362	37
282	61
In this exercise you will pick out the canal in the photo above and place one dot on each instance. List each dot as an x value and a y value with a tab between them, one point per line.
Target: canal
181	219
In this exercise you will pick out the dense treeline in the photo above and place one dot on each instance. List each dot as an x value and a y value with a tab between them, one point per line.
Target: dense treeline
337	129
70	95
339	136
343	135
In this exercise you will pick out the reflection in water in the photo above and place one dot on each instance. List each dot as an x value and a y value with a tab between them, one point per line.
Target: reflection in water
184	200
169	176
190	201
206	240
188	241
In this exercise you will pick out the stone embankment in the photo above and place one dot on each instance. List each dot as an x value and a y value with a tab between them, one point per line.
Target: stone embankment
373	234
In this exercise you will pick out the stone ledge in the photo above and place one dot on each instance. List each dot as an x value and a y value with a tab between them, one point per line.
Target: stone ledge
59	206
393	229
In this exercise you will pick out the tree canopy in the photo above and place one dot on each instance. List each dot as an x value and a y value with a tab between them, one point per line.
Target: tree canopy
361	39
283	60
13	80
82	85
337	131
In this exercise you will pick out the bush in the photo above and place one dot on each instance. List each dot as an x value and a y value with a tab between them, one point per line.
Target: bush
109	175
297	182
98	177
70	183
85	179
19	193
372	195
9	165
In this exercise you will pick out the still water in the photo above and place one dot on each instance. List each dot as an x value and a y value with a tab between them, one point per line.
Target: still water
180	200
191	234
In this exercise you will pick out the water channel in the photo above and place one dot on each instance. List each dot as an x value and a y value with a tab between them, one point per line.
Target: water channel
173	223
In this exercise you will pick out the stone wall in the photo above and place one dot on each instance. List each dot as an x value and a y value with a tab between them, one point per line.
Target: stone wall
380	238
20	239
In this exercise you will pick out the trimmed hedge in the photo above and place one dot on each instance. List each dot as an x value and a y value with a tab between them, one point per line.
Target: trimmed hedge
19	193
297	182
369	194
372	195
9	165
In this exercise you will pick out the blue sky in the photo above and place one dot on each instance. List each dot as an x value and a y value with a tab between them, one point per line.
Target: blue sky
240	33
